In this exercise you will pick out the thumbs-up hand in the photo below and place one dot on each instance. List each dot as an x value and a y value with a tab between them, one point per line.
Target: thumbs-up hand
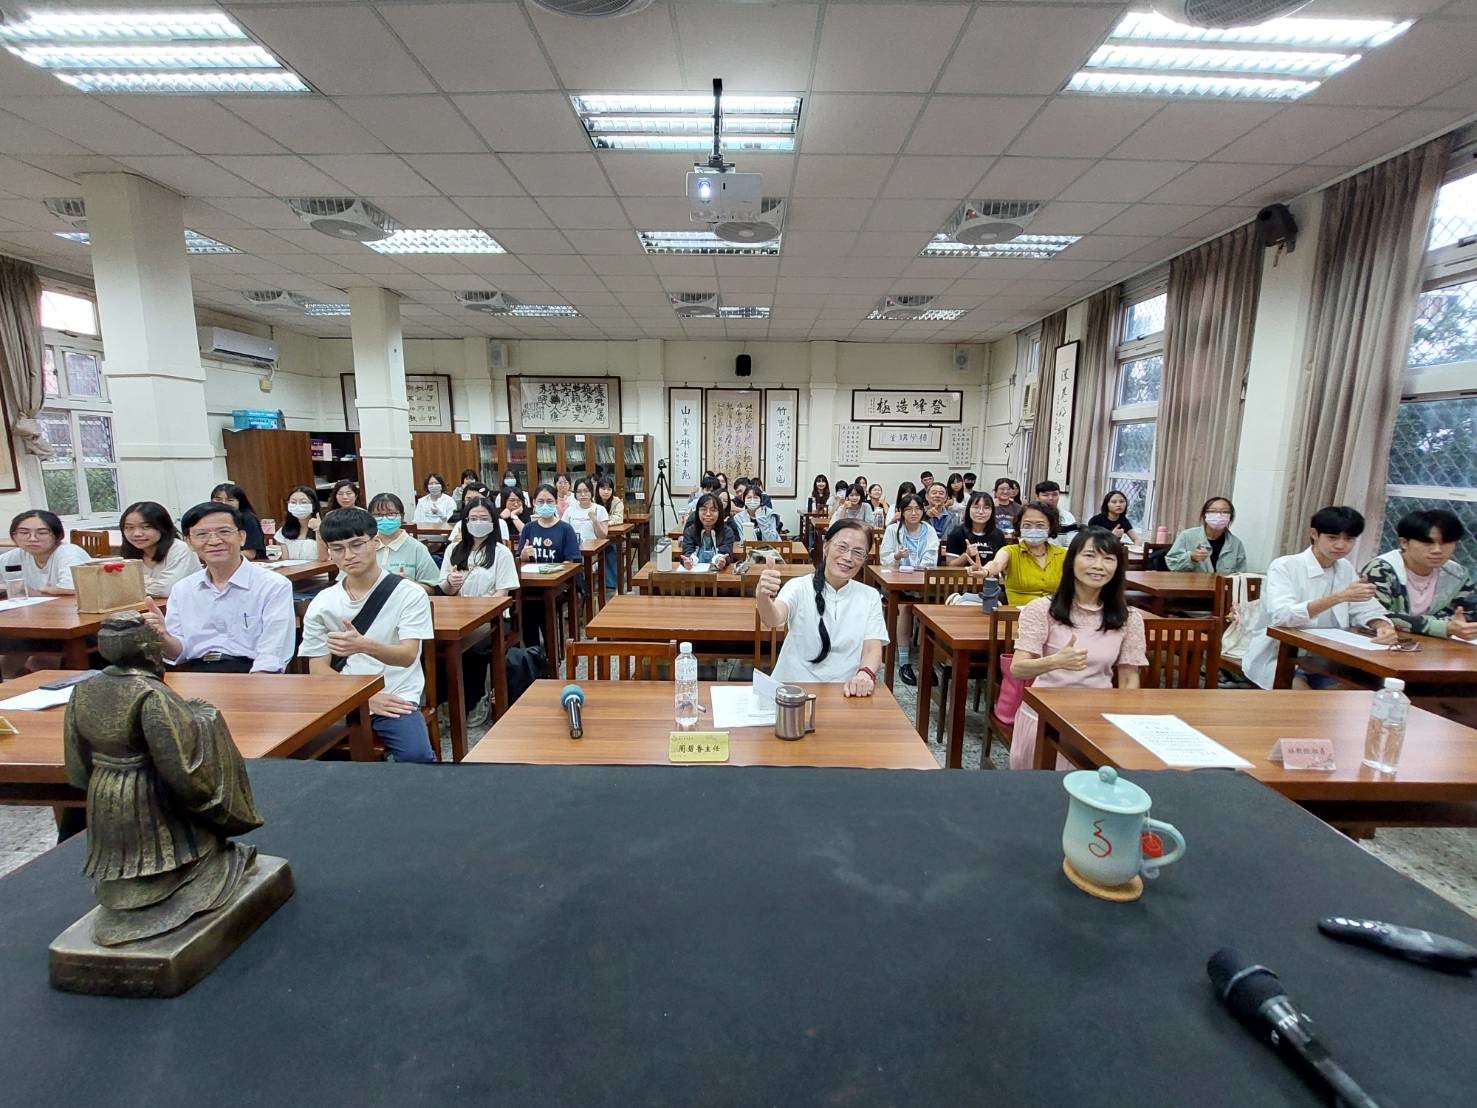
154	617
1460	627
345	641
1071	656
769	583
1358	591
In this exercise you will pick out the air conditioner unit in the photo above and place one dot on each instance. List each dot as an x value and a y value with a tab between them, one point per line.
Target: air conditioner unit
217	342
766	228
274	298
1225	13
344	217
987	222
71	209
480	300
695	305
902	306
592	9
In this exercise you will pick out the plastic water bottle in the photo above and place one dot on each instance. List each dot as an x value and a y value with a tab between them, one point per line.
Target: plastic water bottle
1385	734
685	670
1007	528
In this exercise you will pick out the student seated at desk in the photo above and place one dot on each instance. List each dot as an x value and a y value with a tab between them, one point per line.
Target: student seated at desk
1032	566
1080	635
819	499
435	508
1114	517
615	509
755	517
478	565
853	506
149	535
548	539
589	520
975	541
1418	584
230	493
45	561
338	638
1050	494
515	513
1209	548
1008	504
910	541
708	537
297	534
906	488
562	490
232	616
836	629
345	494
1316	588
469	478
877	501
938	516
398	551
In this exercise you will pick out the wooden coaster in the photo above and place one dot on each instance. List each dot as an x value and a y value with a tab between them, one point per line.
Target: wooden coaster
1132	890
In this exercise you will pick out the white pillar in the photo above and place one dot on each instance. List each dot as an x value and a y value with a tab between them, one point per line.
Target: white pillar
147	310
379	385
477	376
820	429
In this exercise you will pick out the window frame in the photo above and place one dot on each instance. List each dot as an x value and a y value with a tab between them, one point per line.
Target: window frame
74	407
1127	351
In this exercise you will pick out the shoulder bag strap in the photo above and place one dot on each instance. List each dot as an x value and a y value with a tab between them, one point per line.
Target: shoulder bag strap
373	604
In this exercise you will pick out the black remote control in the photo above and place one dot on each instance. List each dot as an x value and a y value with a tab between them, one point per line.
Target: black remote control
1425	947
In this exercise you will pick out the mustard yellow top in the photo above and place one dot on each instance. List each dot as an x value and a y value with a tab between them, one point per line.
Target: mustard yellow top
1025	580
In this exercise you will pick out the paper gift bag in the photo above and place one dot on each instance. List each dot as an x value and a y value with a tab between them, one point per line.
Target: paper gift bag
107	586
663	555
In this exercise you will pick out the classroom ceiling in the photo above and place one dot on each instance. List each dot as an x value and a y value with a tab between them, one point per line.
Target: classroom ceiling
457	115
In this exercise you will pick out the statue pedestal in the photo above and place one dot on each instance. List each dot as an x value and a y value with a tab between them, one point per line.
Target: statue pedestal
170	964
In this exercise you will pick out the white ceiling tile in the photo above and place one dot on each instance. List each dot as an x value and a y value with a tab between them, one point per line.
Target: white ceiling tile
888	243
280	174
606	242
597	212
1213	222
609	264
525	121
1192	132
70	165
885	47
535	242
467	174
632	53
1031	178
1105	248
1462	96
1123	180
1154	219
21	136
1025	50
200	124
910	215
634	173
414	124
374	174
700	270
632	282
1429	57
584	285
25	179
819	244
306	125
815	214
1081	126
841	175
549	266
424	211
1210	183
270	214
856	123
1062	217
651	213
93	124
768	45
192	176
1383	140
472	47
558	174
1300	132
971	124
340	50
1291	184
915	177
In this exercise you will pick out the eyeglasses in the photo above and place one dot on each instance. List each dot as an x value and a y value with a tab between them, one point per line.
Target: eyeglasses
338	550
849	553
224	534
22	533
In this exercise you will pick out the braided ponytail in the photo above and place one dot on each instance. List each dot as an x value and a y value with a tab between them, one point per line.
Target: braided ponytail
818	582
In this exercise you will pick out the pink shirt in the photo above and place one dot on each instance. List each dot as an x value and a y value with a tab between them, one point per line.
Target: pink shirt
1421	591
1041	635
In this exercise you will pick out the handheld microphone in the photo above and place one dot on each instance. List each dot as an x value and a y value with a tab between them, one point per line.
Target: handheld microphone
571	698
1256	998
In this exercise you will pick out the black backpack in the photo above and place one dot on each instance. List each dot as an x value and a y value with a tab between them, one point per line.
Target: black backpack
525	665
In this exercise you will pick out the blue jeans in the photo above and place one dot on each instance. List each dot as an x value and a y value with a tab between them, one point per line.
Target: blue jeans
405	737
1318	680
610	584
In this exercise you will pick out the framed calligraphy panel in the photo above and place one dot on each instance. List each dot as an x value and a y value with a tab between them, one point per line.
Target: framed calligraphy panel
781	432
849	444
882	437
564	404
428	396
907	405
1063	402
733	440
684	440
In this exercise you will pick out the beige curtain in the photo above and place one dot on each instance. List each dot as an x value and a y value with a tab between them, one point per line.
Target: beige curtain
1092	418
1207	343
20	353
1053	328
1371	239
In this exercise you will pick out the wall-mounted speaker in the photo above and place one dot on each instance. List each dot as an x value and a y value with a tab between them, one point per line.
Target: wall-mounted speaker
1275	226
497	354
743	365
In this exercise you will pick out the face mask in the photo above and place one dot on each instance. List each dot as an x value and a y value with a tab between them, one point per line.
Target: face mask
302	511
387	525
434	489
479	528
1035	534
752	504
510	481
1219	520
546	511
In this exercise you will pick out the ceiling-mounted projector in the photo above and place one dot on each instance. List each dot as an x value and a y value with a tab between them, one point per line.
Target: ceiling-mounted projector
716	196
1225	13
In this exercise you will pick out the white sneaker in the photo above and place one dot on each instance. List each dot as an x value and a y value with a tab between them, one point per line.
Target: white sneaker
479	715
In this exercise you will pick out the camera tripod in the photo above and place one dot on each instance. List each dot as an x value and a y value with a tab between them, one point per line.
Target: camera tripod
661	496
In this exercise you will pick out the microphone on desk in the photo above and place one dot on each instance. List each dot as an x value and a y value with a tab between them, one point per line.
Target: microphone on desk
572	698
1255	997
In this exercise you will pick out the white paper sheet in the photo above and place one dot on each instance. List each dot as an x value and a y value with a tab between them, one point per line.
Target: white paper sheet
37	699
283	563
1174	742
737	706
24	602
1340	637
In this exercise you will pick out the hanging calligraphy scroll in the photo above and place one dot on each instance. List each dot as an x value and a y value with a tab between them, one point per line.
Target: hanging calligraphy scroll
849	439
1063	402
685	440
882	437
427	395
733	443
564	404
907	405
781	426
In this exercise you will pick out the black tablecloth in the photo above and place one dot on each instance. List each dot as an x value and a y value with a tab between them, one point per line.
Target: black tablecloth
648	935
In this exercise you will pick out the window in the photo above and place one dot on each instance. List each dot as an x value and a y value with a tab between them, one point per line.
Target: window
1136	402
1433	455
81	479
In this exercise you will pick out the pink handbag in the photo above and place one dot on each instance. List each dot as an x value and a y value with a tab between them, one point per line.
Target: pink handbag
1012	691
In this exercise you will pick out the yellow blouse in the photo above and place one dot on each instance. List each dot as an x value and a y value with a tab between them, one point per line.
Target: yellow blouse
1025	580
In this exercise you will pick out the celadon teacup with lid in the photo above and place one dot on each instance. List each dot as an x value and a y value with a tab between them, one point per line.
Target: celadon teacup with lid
1106	821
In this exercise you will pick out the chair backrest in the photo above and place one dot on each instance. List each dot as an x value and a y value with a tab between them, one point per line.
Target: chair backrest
1004	623
782	550
622	661
1180	652
94	542
673	583
940	584
1222	602
766	643
1154	555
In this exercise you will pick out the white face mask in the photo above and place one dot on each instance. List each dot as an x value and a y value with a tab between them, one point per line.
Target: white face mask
479	528
302	511
1035	534
752	503
1219	520
434	489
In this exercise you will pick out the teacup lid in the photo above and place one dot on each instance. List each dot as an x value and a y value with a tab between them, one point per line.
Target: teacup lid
789	696
1105	790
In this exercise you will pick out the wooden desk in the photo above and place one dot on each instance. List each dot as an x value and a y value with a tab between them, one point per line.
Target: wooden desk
551	585
696	619
57	623
1438	667
304	572
458	621
791	548
894	586
1163	587
590	553
630	722
640	525
962	632
271	715
1436	784
728	582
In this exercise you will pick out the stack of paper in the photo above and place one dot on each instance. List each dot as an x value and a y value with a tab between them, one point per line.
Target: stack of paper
37	699
1175	743
23	602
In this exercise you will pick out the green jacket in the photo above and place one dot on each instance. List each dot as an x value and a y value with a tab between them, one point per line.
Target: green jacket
1177	557
1455	588
409	558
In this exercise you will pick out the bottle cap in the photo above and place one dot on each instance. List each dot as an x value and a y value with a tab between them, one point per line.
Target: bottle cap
686	648
1394	684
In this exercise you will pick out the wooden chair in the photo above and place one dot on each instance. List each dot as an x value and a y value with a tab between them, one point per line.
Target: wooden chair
627	661
1179	652
1004	623
673	583
430	712
1222	612
784	551
94	542
940	584
1154	555
766	644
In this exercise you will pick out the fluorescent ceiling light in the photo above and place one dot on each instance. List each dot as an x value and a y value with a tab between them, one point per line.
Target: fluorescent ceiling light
1023	246
932	315
192	80
702	242
121	26
455	240
616	121
526	310
195	242
738	311
326	309
1281	59
146	57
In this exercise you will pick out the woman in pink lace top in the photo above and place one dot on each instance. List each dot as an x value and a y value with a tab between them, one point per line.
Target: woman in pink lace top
1078	636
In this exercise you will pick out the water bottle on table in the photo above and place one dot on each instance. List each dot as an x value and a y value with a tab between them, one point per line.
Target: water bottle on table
1385	735
685	671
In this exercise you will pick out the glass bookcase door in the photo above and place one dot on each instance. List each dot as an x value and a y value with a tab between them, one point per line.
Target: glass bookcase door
576	453
546	457
487	461
603	462
515	458
634	452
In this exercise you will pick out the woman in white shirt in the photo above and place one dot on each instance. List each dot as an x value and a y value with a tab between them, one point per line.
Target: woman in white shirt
910	541
589	520
851	506
836	629
45	561
478	565
149	534
435	508
297	534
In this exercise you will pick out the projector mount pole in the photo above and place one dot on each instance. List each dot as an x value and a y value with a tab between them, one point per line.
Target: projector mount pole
715	160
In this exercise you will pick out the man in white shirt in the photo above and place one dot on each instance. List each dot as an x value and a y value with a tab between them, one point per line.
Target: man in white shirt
1316	588
1050	494
391	643
233	616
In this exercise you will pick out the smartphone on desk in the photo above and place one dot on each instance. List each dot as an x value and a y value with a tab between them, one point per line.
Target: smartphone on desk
71	679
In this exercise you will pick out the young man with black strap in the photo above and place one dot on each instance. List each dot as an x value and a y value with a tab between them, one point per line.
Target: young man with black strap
372	622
